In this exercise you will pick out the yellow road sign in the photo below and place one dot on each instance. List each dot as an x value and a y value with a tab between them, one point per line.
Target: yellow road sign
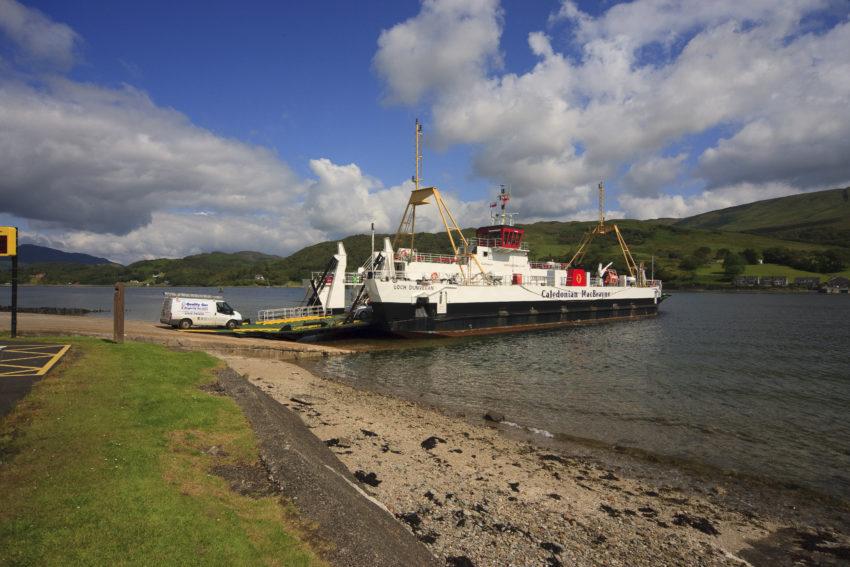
8	241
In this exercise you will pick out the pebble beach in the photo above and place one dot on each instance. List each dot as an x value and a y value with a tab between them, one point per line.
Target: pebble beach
480	492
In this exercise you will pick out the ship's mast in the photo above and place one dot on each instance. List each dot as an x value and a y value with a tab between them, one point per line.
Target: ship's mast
503	217
417	179
602	207
417	176
420	196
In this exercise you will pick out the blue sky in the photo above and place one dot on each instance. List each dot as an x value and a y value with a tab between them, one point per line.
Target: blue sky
161	129
292	76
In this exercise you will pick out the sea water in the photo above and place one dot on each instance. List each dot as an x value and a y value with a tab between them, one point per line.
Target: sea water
753	383
145	303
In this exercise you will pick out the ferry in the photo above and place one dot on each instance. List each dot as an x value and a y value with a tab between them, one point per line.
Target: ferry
488	284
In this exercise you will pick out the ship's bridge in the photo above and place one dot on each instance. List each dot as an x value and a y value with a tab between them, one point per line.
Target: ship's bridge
504	237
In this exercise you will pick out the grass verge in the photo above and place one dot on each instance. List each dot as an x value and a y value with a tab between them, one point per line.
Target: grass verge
109	460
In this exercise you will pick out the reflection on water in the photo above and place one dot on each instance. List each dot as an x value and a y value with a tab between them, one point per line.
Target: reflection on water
757	383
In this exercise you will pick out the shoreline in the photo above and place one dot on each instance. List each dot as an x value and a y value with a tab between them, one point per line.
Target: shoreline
474	490
129	285
559	441
297	285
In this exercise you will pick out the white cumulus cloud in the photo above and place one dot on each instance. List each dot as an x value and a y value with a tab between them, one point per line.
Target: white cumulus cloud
677	206
642	80
449	43
108	171
647	177
39	38
91	158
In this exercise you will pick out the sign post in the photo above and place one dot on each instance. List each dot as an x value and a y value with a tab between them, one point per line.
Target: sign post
9	247
14	296
118	313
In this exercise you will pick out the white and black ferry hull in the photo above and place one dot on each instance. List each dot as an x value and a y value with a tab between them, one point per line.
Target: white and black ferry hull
448	310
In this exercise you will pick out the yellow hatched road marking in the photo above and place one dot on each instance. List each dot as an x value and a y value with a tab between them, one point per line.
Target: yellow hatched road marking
17	373
53	361
20	366
30	353
20	358
27	348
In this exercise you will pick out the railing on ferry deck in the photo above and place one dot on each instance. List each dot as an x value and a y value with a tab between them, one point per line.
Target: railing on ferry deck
505	280
265	315
496	243
425	257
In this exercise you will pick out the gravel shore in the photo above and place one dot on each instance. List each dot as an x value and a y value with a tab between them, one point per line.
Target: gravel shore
476	496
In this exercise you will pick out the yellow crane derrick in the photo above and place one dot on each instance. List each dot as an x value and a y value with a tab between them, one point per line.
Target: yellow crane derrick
407	226
601	229
420	196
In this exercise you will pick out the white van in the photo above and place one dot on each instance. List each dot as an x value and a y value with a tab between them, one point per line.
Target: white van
187	310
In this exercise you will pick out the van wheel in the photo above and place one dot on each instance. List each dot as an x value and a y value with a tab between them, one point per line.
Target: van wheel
185	323
232	324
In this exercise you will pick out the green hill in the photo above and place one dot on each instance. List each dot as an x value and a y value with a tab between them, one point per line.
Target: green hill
798	234
822	217
214	268
680	255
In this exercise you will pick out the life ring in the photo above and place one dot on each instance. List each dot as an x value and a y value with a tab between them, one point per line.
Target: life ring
435	276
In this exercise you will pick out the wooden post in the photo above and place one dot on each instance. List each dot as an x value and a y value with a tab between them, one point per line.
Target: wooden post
14	296
118	313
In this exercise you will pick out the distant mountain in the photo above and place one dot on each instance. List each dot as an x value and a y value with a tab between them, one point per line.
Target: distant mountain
822	217
34	254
